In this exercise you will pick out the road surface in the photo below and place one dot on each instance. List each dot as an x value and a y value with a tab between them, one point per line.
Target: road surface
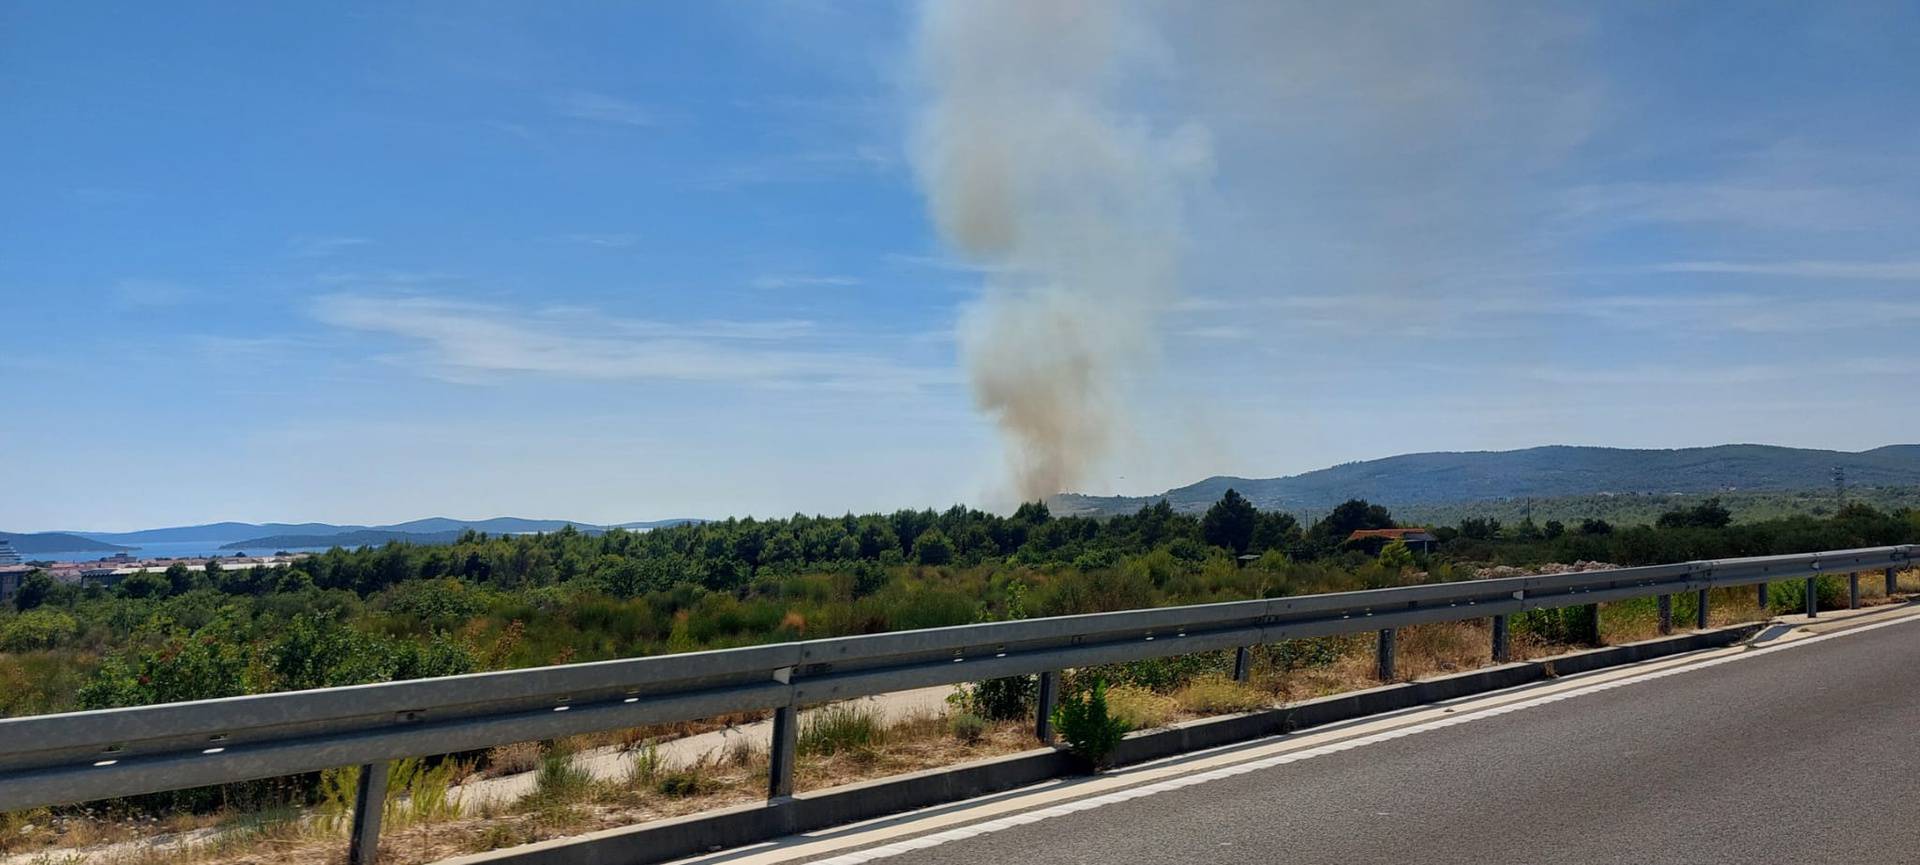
1805	750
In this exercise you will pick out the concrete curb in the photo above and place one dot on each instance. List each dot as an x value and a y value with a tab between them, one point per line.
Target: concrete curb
695	834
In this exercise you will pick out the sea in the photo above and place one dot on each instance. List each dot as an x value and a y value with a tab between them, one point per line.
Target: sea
170	550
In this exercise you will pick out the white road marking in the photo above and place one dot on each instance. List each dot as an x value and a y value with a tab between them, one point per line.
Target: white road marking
1670	667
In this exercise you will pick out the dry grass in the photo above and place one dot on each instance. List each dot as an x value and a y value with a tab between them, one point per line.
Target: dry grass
1139	708
653	791
512	759
1218	695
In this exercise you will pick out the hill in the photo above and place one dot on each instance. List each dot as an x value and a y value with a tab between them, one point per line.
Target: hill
55	542
211	532
433	530
350	540
1555	472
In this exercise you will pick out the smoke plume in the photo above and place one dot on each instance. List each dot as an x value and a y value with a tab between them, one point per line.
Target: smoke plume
1069	205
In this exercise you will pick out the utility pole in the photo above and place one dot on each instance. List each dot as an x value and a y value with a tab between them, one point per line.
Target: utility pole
1839	488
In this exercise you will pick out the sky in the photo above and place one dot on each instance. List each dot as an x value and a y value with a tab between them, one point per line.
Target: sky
367	262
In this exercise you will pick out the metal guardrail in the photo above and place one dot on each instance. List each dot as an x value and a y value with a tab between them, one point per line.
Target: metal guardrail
82	756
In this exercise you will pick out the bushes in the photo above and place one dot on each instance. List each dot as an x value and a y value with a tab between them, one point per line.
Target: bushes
967	727
839	728
1083	722
1790	596
37	629
1006	699
1139	708
559	781
1565	625
1217	695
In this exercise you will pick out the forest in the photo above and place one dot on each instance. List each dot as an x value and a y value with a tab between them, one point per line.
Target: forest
492	602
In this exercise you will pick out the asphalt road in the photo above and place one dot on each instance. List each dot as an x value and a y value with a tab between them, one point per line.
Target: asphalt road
1801	755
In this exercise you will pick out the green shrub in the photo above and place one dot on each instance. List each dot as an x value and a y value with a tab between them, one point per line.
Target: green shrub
690	780
842	727
1006	699
1083	723
559	781
1790	596
1564	625
37	629
967	727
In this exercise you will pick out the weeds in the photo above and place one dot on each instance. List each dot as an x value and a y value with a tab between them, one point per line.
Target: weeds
692	779
559	781
646	767
1139	708
841	727
1217	695
967	727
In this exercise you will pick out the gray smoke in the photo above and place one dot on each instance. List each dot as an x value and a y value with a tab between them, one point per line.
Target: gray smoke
1070	205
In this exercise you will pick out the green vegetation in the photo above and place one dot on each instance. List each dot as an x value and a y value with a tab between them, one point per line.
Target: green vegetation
840	728
1085	725
403	611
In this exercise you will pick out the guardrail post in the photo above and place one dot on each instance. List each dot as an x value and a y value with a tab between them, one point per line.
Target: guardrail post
1384	654
1763	587
369	800
1666	614
1043	706
1242	664
1853	591
1593	624
786	741
1813	597
1700	611
1893	582
1502	650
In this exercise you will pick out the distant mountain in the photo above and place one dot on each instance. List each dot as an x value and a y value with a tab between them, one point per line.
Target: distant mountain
1543	472
495	526
657	524
210	533
236	535
361	538
55	542
433	530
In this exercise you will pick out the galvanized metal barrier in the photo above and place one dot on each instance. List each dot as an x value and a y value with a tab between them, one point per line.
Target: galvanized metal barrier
82	756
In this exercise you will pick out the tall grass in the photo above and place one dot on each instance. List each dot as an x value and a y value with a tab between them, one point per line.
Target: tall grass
842	727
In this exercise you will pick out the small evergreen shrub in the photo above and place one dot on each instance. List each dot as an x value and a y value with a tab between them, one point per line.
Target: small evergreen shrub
1090	732
967	727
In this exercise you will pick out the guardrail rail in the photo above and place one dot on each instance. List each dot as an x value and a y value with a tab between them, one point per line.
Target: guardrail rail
83	756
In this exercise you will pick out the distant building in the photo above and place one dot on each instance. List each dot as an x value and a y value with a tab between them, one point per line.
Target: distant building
8	555
10	577
1418	540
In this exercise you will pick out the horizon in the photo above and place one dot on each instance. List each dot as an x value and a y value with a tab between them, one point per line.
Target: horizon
705	261
390	524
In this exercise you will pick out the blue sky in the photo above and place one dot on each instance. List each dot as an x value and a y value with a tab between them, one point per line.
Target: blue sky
370	262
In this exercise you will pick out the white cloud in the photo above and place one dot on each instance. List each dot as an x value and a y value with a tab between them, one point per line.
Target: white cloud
601	108
321	246
477	343
1867	270
610	241
148	293
824	281
1216	332
1765	203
